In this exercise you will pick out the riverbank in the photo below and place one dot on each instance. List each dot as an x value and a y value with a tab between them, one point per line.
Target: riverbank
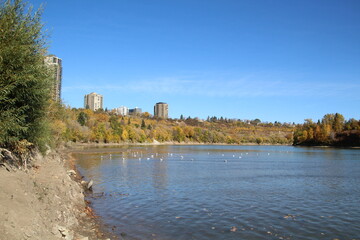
76	145
45	202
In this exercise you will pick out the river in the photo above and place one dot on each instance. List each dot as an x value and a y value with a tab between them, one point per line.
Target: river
169	192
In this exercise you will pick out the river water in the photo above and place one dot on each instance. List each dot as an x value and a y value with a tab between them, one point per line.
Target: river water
225	192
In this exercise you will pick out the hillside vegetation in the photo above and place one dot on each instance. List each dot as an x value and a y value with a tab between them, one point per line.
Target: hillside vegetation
84	125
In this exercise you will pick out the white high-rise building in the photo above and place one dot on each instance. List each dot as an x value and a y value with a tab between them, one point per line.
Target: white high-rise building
93	101
123	111
55	65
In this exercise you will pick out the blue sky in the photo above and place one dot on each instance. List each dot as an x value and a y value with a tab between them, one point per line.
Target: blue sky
282	60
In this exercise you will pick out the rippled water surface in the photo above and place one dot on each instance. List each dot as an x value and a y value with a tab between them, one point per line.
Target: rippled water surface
226	192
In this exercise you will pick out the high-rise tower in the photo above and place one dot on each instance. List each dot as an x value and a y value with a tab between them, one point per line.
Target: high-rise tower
93	101
55	65
161	110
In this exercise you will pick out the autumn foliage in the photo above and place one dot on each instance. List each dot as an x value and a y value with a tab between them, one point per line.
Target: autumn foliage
86	126
332	130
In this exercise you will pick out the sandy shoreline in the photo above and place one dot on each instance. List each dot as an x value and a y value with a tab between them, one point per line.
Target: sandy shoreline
46	202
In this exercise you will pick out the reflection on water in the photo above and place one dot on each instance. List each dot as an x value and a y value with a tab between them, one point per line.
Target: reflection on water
226	192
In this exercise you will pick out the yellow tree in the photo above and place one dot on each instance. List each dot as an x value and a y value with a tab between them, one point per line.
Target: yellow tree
310	134
339	121
125	135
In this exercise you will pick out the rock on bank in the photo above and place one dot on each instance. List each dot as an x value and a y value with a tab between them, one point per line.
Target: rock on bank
43	203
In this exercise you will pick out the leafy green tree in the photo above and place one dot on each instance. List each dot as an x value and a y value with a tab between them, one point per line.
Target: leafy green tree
82	118
24	78
116	126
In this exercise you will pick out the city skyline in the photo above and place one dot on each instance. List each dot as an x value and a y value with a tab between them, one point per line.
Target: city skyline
95	101
276	61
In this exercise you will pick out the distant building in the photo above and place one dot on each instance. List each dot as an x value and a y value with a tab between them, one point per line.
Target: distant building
161	110
135	111
123	111
93	101
55	65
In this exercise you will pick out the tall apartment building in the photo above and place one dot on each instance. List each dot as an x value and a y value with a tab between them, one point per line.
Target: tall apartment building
161	110
123	111
55	65
93	101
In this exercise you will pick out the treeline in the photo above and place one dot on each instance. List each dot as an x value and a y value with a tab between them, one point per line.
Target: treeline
332	130
86	126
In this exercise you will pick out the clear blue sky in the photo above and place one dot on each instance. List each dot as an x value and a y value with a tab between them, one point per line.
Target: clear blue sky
282	60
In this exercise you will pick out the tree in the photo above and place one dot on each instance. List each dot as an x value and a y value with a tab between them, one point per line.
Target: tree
308	122
146	115
178	134
99	110
143	125
352	124
339	121
256	121
259	140
82	118
310	134
125	135
24	78
115	125
328	119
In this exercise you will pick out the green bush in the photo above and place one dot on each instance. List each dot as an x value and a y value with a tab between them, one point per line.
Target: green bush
24	78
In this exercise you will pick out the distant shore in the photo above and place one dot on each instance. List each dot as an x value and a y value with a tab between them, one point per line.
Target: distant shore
74	144
113	147
107	147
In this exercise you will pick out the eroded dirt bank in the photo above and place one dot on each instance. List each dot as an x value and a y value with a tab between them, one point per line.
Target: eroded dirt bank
44	202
